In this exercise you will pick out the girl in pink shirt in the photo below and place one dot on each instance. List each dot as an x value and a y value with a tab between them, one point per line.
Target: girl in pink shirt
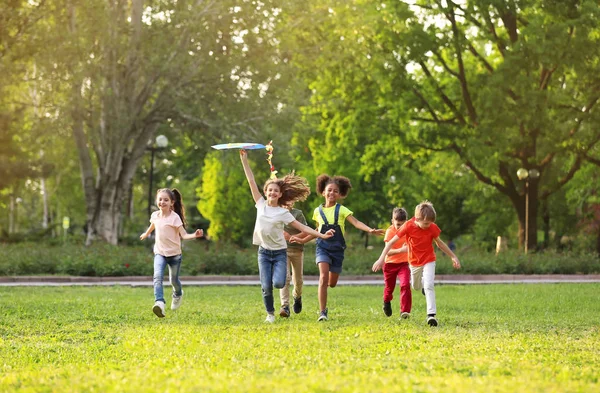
169	223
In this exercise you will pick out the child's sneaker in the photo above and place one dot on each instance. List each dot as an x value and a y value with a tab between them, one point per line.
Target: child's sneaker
323	316
431	321
159	309
298	305
405	315
270	318
284	311
176	301
387	308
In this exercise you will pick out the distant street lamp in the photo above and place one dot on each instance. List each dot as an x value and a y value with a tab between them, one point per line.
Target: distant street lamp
524	174
161	144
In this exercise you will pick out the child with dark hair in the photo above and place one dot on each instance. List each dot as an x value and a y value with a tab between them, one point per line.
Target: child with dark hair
396	267
332	215
421	232
169	222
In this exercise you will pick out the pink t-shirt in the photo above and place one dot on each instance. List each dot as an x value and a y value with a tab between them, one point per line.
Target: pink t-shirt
167	238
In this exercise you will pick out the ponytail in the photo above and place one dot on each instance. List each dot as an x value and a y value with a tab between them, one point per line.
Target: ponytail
178	205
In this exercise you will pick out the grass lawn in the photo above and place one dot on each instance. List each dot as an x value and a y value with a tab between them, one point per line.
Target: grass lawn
491	338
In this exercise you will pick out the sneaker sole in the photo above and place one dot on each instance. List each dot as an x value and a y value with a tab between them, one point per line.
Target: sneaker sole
156	310
404	316
284	314
432	323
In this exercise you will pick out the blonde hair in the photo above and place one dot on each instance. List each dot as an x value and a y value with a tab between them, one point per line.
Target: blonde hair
425	211
293	189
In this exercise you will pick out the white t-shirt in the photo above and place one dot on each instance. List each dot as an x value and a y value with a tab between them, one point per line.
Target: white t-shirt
268	231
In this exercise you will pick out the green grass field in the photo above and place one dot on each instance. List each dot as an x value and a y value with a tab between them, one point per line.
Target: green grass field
491	338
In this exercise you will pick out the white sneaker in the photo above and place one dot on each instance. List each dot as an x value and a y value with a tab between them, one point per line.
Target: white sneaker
176	302
159	309
432	321
270	318
405	315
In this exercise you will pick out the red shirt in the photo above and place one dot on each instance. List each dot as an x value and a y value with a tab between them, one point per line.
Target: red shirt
396	258
420	242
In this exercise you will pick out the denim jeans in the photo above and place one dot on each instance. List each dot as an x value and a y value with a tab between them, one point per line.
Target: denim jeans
160	262
272	267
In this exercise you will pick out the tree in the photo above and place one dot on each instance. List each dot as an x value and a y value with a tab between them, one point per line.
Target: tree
501	85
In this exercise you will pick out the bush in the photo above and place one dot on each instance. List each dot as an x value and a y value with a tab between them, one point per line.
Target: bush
202	257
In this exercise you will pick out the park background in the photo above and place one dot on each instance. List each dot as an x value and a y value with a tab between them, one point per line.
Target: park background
103	102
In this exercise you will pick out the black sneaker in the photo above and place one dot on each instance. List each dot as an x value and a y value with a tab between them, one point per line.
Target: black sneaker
431	321
298	305
284	311
387	309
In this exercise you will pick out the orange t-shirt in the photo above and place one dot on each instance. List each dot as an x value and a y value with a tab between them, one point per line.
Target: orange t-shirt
396	258
420	242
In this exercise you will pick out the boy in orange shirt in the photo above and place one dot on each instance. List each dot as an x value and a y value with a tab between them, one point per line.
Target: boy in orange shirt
396	266
421	232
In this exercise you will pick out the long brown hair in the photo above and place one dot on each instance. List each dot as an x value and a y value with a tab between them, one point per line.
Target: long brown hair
293	189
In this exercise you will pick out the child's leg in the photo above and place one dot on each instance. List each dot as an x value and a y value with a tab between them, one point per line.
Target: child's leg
416	277
279	260
265	270
323	283
405	293
333	279
390	272
428	277
174	268
284	293
296	258
157	279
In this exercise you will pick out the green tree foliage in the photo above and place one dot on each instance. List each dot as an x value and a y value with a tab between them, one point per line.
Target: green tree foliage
500	85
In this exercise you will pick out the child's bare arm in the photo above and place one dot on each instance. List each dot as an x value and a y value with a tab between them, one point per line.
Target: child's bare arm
388	246
400	250
440	243
364	227
250	176
311	232
148	232
187	236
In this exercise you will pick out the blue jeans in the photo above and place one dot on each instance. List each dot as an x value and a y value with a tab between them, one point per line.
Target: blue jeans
272	267
174	263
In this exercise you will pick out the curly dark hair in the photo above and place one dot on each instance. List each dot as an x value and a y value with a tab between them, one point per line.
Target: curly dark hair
293	189
342	182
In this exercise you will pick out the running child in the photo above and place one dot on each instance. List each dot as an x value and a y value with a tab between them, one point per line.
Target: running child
295	266
421	232
169	222
332	215
271	216
396	267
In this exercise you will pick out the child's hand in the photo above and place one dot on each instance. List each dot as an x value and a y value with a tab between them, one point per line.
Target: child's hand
143	236
243	153
199	233
455	262
377	265
296	239
328	234
377	231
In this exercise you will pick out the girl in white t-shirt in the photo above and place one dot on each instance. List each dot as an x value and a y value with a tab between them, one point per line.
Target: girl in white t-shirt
169	223
271	215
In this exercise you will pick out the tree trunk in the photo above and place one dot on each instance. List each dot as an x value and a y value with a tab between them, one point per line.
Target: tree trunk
528	205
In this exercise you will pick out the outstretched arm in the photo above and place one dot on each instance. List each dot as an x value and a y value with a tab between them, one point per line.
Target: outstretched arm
186	236
379	262
440	243
364	227
311	232
250	176
148	232
400	250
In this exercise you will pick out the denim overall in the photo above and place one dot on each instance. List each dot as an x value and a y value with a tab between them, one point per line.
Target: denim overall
331	250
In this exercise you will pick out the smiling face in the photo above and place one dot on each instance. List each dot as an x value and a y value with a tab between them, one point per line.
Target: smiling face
331	194
273	193
164	202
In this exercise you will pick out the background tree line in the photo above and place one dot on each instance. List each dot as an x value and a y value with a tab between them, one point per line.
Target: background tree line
412	100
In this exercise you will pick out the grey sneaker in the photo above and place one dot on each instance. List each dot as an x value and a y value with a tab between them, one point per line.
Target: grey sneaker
431	321
176	301
323	316
405	315
270	318
159	309
284	311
